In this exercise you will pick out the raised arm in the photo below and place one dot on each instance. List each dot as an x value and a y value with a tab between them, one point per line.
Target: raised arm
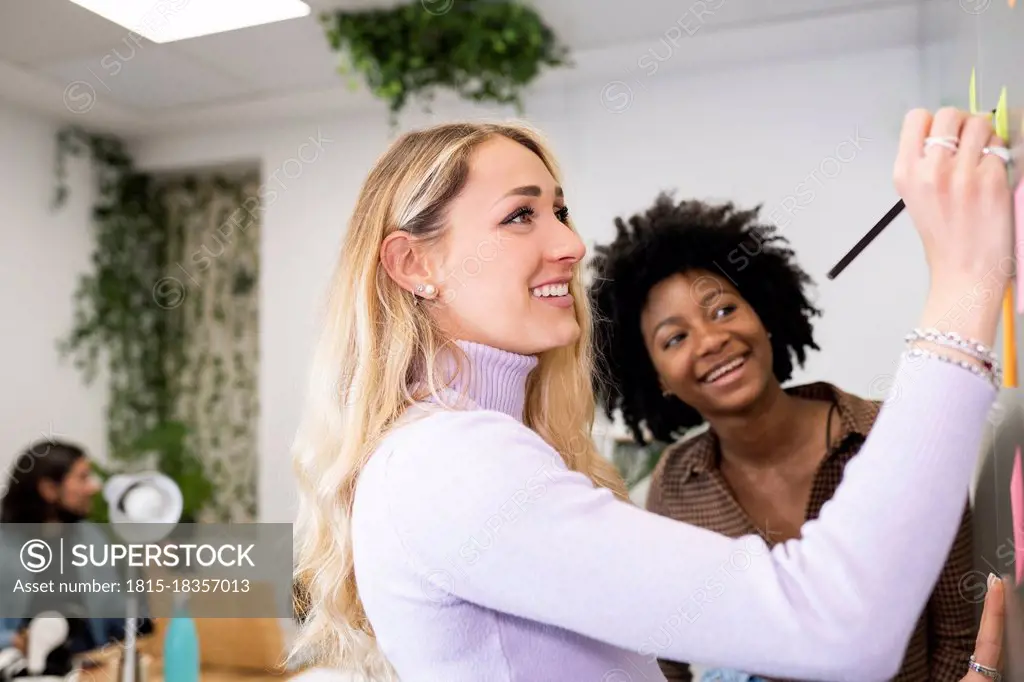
497	519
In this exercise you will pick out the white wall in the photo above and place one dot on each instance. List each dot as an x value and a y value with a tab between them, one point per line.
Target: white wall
42	253
776	134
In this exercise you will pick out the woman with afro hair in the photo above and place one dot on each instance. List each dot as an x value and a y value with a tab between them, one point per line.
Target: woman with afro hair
701	312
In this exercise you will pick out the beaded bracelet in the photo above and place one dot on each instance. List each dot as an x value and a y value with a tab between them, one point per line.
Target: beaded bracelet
993	376
975	349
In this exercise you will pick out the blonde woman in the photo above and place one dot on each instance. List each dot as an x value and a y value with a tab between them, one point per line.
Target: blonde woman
456	522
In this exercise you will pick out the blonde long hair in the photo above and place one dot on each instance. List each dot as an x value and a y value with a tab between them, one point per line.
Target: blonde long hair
374	339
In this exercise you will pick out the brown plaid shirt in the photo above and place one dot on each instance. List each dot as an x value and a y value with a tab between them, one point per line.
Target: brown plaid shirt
687	485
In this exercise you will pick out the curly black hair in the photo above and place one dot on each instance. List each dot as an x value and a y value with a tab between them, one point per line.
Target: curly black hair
673	238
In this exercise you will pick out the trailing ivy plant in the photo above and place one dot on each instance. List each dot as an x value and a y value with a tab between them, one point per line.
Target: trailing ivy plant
116	319
485	50
127	318
214	226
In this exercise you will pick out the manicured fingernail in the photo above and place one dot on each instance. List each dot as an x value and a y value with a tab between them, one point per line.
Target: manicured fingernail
992	579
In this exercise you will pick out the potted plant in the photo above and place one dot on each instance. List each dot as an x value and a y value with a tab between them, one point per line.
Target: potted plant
484	50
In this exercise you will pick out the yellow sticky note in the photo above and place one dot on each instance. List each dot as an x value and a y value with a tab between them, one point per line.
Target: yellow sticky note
1002	122
974	93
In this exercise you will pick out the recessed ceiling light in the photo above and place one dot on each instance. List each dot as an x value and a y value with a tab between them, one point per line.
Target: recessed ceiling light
164	21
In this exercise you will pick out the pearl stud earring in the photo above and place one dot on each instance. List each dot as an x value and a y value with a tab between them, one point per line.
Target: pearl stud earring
426	290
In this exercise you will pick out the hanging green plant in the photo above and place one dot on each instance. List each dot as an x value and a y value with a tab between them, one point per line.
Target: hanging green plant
116	318
127	317
218	231
485	50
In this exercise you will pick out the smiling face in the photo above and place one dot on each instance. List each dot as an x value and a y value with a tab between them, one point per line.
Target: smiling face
707	344
507	255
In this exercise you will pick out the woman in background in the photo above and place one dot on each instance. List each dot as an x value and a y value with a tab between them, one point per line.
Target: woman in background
702	312
52	482
456	521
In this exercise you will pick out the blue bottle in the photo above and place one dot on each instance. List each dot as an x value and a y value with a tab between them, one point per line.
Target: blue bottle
181	645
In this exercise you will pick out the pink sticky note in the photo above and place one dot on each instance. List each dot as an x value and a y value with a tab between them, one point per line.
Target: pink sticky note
1018	219
1017	511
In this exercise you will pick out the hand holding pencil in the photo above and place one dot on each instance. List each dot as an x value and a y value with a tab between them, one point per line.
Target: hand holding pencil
955	187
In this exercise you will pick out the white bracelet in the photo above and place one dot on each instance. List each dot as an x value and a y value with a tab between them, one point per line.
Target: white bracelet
992	376
975	349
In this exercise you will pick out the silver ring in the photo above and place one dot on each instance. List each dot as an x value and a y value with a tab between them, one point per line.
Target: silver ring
984	670
1002	152
950	143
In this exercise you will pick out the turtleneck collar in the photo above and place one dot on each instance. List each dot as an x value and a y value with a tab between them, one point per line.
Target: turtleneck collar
494	379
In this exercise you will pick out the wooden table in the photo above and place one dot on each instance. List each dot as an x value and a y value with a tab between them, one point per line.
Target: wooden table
152	666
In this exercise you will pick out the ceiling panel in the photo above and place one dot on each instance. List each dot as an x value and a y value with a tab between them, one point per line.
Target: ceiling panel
276	66
287	55
151	77
33	31
49	30
351	5
586	24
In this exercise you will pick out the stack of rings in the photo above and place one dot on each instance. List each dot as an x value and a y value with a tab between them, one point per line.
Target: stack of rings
984	670
953	144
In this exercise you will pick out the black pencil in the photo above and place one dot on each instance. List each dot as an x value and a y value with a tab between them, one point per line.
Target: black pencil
867	239
870	236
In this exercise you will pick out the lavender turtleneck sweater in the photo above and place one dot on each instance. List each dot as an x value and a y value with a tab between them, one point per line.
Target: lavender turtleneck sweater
481	558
